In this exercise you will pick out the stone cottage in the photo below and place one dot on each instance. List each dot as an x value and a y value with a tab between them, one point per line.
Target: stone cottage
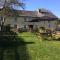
32	19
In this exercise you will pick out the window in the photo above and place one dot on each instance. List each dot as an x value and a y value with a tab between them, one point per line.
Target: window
25	19
48	21
15	19
49	24
1	18
24	26
15	26
44	22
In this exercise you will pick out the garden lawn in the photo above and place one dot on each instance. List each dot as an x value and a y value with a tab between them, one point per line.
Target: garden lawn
29	46
41	50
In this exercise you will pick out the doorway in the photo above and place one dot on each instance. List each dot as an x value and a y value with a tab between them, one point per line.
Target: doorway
30	28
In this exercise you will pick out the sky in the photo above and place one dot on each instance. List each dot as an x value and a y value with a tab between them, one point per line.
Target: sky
52	5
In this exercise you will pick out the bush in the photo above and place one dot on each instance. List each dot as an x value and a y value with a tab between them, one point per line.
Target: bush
41	30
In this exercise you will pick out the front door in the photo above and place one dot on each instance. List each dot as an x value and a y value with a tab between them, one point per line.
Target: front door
30	28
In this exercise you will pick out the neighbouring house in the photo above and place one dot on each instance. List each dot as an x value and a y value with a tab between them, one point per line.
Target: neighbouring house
32	19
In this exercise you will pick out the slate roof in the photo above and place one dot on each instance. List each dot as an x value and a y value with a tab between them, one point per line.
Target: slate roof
43	14
27	13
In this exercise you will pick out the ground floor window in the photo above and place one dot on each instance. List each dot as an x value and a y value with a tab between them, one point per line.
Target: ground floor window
15	26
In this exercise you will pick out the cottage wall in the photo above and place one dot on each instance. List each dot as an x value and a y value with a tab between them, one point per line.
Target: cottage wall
21	22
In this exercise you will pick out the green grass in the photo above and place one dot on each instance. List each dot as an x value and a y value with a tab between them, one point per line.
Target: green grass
30	47
41	50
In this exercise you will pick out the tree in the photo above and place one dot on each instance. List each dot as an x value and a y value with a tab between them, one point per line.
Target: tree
6	7
9	3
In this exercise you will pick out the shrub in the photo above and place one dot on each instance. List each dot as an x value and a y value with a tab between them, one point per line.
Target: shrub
41	29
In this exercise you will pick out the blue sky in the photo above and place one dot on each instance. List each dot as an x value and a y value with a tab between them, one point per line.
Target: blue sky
52	5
